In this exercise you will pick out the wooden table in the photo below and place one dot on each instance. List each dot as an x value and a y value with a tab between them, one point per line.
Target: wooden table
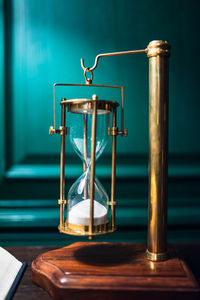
28	290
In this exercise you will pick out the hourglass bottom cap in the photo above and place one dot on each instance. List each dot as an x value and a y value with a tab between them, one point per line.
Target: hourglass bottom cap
83	230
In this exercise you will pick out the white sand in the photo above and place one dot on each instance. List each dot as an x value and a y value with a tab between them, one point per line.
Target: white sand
79	214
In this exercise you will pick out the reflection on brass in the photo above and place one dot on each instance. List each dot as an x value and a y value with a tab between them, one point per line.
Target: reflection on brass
62	201
52	130
62	168
93	159
158	48
83	230
85	120
106	55
158	53
114	123
156	256
83	106
113	131
111	203
62	130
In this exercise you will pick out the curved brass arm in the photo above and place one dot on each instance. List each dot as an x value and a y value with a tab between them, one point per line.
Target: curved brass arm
109	54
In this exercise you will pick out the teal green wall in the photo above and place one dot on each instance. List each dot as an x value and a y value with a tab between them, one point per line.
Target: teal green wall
2	153
44	41
48	39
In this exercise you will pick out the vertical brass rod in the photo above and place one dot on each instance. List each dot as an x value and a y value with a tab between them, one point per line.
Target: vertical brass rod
85	116
114	123
93	156
62	169
158	53
85	140
122	110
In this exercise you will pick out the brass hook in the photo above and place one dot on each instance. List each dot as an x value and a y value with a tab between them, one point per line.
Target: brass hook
109	54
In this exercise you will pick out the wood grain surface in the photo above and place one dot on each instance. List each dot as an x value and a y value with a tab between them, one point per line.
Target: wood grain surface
113	270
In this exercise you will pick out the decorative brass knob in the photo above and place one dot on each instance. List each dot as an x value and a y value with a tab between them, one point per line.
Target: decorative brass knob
125	132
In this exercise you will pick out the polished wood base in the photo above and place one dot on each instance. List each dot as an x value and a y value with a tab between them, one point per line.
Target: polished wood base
114	270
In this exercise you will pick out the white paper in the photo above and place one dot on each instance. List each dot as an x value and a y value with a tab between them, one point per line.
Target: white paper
9	268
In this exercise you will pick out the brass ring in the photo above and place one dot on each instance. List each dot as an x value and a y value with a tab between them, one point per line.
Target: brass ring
88	80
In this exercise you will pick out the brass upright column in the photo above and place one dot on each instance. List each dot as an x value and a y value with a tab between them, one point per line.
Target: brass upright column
93	158
158	53
62	200
113	177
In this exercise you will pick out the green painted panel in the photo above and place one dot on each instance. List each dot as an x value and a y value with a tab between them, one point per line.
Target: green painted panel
25	214
50	37
2	144
51	238
103	171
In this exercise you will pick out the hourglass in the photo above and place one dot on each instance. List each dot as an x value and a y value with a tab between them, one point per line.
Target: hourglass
80	270
88	205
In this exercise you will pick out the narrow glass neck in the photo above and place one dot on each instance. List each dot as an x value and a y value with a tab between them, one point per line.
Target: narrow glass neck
87	164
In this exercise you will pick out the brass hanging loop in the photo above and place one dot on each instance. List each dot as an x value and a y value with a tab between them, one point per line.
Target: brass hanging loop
88	80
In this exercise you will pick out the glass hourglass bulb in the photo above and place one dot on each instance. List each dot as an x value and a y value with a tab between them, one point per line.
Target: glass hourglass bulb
79	193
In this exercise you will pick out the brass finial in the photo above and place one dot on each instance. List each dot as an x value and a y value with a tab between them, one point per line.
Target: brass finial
158	47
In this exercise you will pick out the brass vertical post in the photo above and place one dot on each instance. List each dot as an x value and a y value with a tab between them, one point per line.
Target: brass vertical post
158	53
93	156
85	116
113	132
62	200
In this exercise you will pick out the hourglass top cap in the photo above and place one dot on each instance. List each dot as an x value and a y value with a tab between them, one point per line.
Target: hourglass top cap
85	106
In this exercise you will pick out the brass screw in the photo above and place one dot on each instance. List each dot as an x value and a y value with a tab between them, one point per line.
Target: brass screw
52	130
94	97
89	81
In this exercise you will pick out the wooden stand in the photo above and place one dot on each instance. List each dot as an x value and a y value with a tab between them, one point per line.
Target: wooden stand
112	271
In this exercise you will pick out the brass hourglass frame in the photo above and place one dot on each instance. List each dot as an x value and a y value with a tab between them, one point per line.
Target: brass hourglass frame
83	106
